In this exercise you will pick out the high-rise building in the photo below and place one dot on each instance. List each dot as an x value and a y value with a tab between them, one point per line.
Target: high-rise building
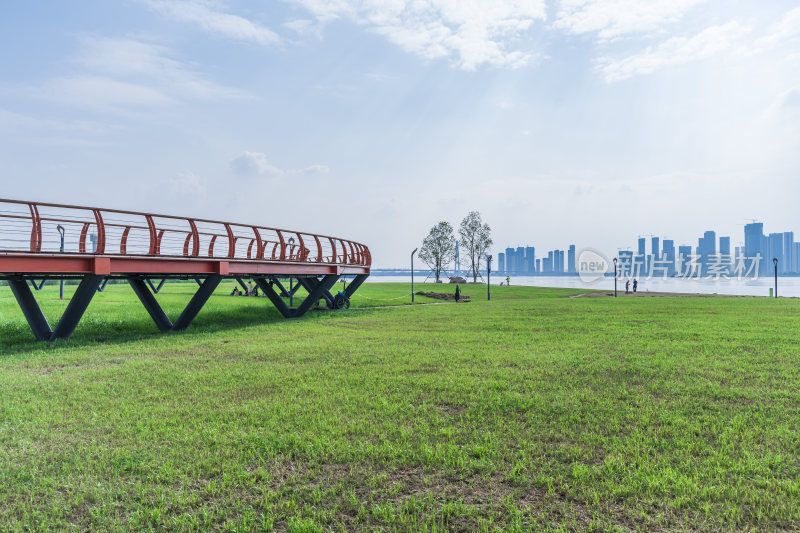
530	259
796	255
668	250
519	264
571	259
642	243
668	255
788	253
547	264
707	245
753	237
511	260
725	246
654	248
559	259
538	265
684	258
501	262
775	250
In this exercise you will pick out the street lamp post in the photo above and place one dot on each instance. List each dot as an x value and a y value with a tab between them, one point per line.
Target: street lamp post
61	231
775	262
412	274
488	277
615	277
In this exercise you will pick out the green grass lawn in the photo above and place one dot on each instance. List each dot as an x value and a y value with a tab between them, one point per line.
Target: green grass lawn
534	411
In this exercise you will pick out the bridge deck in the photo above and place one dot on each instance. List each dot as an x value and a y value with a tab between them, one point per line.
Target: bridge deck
40	241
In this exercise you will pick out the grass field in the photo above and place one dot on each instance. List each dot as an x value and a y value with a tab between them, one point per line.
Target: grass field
534	411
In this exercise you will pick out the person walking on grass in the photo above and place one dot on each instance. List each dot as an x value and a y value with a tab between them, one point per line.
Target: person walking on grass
635	285
627	286
508	281
458	293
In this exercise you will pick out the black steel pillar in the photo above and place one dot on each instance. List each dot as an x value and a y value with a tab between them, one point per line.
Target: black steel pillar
77	306
149	301
324	285
309	284
30	308
355	284
274	297
156	289
197	302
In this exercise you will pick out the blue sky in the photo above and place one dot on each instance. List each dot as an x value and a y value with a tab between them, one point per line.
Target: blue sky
571	121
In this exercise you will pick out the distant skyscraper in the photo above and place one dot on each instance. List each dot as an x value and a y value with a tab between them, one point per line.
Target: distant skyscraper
571	259
510	260
559	267
725	246
796	255
668	255
538	265
753	237
684	257
501	262
788	253
642	243
655	249
530	259
519	264
775	250
708	246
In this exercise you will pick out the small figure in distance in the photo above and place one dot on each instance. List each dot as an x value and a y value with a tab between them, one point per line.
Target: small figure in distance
249	288
255	291
458	293
627	286
234	291
635	285
508	281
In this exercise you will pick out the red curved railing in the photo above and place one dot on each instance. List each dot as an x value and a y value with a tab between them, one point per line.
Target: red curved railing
33	227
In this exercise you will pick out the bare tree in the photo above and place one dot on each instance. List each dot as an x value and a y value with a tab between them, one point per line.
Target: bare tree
476	237
439	247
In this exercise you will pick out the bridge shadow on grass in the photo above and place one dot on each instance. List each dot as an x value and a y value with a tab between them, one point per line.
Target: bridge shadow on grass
125	322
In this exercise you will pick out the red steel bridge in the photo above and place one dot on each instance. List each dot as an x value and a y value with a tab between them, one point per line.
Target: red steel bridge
40	242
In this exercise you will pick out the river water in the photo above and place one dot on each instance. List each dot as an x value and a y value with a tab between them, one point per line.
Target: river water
787	286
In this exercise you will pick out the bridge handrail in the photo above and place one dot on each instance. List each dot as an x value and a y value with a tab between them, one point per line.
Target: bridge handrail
30	223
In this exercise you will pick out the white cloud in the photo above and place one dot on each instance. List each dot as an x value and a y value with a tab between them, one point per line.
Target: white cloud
16	122
254	163
257	164
785	29
205	15
313	169
674	51
187	183
125	75
472	32
304	27
615	18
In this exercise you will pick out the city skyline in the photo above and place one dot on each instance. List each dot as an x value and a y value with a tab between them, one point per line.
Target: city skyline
713	253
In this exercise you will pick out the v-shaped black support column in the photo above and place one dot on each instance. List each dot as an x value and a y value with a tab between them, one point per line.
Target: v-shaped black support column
317	291
309	284
355	284
72	315
194	306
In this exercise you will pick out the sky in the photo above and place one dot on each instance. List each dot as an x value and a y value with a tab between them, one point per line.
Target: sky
587	122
